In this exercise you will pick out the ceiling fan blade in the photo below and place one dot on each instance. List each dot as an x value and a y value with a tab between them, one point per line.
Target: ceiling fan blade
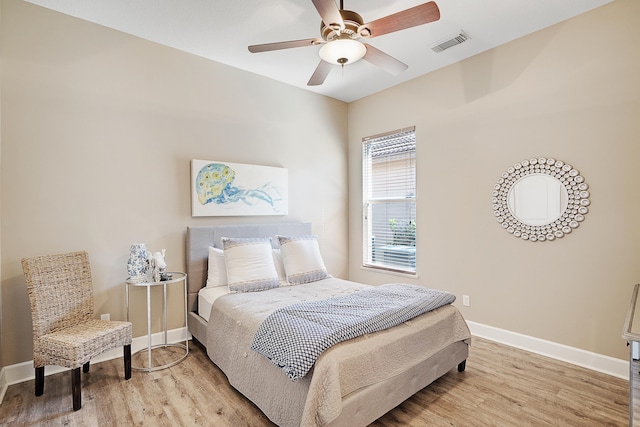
320	74
284	45
412	17
386	62
329	13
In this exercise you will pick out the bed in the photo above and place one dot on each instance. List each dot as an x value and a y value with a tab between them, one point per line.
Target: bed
351	384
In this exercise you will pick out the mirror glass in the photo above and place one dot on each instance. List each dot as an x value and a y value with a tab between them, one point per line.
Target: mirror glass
540	199
537	199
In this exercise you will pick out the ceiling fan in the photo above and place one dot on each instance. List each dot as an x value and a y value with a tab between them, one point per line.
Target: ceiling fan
341	32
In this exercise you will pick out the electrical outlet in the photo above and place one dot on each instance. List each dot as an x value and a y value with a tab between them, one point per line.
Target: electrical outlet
465	300
106	316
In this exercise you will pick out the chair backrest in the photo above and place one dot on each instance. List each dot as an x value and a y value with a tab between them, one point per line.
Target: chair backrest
60	291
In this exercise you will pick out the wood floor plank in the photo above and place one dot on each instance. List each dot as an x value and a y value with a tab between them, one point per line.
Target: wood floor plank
502	386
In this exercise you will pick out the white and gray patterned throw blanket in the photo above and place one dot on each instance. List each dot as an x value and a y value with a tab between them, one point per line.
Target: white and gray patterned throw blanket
293	337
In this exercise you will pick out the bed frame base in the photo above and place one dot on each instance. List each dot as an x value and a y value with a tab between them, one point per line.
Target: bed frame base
364	406
197	327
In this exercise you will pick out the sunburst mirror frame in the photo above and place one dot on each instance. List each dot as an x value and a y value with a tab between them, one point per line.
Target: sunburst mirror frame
569	219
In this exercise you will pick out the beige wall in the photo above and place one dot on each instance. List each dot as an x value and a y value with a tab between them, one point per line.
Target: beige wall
570	92
98	129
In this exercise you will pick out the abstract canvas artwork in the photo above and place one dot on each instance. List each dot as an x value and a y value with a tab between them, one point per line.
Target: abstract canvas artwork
234	189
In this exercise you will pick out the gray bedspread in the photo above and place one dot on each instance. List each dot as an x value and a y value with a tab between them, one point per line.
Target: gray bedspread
293	337
316	399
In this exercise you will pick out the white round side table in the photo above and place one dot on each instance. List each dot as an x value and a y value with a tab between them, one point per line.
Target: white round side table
176	277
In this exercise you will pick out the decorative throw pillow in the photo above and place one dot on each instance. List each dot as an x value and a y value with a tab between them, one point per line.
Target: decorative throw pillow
250	266
302	259
217	271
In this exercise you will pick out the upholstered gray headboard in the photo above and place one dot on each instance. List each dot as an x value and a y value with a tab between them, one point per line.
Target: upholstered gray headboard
199	238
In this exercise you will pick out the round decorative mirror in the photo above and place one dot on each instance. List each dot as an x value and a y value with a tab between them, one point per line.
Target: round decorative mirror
540	199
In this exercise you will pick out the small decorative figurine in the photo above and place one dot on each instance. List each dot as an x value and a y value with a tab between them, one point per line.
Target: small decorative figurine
158	266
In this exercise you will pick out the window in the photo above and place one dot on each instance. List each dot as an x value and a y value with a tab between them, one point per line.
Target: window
389	190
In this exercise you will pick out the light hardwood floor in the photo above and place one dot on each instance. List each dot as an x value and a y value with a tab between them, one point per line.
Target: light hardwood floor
502	386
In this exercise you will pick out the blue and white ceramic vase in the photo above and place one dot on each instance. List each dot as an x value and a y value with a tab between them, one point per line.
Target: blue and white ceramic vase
138	263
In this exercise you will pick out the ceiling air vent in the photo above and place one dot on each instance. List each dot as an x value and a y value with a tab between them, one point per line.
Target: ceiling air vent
454	40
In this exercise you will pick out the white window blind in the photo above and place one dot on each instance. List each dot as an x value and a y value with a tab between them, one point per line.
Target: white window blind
389	190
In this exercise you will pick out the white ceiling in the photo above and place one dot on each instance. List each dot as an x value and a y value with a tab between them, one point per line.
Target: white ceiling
222	30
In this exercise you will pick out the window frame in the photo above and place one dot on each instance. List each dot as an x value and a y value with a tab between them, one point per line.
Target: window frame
403	263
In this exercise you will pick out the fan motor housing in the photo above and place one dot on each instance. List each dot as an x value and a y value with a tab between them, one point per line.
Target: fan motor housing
353	27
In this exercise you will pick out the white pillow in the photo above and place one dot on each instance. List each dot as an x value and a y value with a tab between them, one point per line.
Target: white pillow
277	261
250	265
217	272
302	259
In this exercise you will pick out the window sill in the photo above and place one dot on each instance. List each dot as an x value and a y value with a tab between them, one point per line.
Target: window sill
389	272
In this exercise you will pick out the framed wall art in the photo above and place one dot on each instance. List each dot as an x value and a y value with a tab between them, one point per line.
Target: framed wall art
234	189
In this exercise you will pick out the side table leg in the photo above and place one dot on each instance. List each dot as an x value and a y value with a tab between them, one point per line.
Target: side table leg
126	292
186	317
164	308
149	325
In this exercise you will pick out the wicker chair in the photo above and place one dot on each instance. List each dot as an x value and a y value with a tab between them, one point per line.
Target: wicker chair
64	330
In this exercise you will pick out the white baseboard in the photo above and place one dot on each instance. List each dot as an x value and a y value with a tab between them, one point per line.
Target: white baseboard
586	359
24	371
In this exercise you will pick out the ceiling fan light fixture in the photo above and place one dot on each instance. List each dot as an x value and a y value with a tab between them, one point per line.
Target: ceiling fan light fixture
342	51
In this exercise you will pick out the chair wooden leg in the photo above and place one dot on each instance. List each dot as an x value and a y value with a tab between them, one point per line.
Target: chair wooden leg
127	361
39	381
85	367
76	389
